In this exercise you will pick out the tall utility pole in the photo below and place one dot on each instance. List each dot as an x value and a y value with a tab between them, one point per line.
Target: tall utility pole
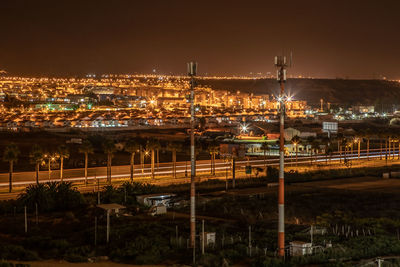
192	71
281	64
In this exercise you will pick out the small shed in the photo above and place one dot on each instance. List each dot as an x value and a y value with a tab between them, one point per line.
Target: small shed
299	248
155	199
209	238
112	208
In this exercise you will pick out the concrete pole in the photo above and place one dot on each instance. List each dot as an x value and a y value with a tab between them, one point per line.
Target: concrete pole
152	163
226	174
36	213
61	168
108	226
192	69
95	231
281	198
96	180
250	241
233	173
312	233
280	62
202	238
49	169
86	168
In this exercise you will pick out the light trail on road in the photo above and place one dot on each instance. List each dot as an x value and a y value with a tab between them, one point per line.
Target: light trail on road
27	178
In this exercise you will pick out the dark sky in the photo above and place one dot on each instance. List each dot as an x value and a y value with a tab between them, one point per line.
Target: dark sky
357	39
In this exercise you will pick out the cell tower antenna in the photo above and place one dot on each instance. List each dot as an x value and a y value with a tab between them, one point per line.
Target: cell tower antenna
192	72
281	64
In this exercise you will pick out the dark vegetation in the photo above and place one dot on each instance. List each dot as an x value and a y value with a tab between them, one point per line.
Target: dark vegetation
359	224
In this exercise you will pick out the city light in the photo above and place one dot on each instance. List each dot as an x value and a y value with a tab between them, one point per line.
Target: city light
244	128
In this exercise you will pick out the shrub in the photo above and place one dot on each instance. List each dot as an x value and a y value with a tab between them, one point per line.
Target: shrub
52	196
13	252
77	254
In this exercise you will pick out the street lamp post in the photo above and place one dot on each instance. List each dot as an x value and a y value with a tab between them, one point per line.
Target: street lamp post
49	158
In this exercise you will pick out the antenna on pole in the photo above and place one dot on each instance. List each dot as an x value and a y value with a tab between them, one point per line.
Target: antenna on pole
192	71
281	64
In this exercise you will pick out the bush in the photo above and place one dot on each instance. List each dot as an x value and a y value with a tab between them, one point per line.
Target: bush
10	264
77	254
210	260
52	196
13	252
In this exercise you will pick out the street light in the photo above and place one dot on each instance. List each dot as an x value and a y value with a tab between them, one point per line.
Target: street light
50	158
295	145
244	128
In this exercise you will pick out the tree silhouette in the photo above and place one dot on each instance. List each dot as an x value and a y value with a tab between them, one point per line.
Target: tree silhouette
86	148
63	153
109	149
36	156
132	147
10	155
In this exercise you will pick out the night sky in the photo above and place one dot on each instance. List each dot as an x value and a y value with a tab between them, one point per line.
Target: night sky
355	39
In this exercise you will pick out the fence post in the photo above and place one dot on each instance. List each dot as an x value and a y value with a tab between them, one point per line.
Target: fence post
108	225
250	240
95	231
202	237
37	213
26	220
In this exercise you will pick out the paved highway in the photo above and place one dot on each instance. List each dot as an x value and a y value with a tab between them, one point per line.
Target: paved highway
165	169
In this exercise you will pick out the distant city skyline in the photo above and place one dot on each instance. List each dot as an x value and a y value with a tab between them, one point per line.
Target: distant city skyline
337	39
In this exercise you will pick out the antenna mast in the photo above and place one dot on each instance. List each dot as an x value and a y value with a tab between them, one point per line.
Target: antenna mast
192	71
281	65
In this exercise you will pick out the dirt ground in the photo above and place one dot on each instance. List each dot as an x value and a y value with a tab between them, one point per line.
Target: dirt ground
86	264
373	184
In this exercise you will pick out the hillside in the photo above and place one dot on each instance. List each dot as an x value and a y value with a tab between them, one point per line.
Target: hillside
335	91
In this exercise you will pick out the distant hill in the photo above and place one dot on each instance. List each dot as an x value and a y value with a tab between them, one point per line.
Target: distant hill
335	91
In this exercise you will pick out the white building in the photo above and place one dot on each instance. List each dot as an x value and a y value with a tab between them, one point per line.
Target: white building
299	248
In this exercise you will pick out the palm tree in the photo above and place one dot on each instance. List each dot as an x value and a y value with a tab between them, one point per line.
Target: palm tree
86	148
174	147
397	136
109	149
328	148
381	135
339	140
314	148
152	145
63	153
132	147
296	141
367	134
213	148
358	140
387	138
264	148
348	148
10	155
312	142
36	156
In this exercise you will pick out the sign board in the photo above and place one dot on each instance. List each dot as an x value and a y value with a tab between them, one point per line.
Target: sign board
330	126
232	150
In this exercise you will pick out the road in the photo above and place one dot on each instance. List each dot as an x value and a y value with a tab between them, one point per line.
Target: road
164	170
